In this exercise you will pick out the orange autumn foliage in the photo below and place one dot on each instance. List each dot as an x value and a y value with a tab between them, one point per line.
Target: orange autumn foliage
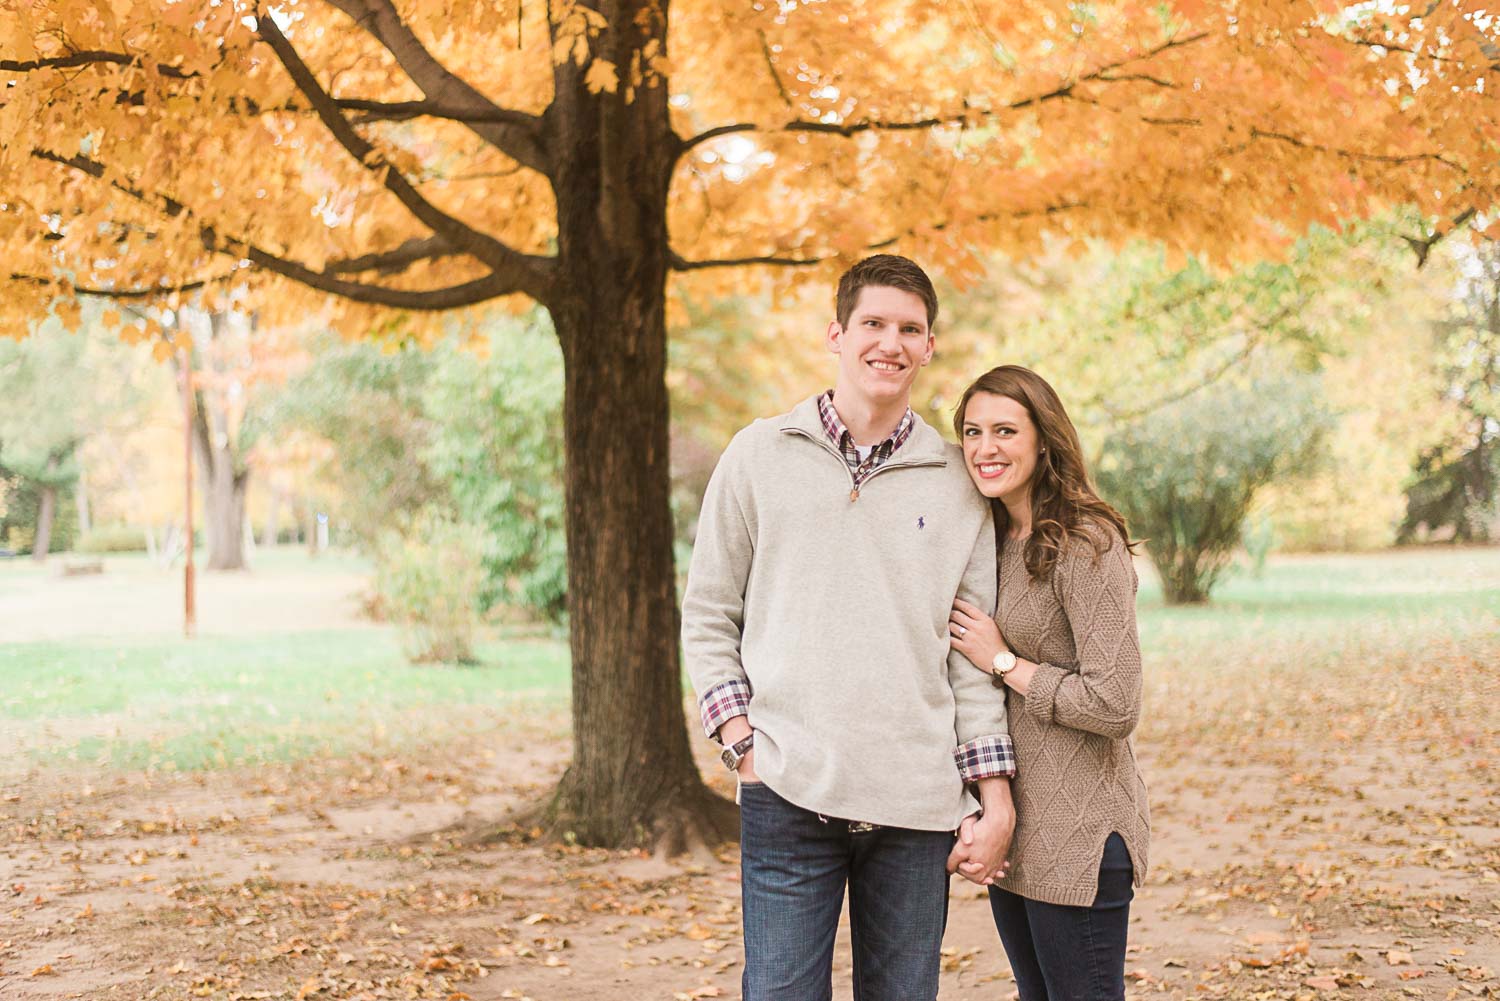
378	151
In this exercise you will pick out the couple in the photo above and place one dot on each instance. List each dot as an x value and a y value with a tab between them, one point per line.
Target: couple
841	627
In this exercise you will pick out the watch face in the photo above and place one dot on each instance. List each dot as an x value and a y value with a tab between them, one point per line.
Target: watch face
729	758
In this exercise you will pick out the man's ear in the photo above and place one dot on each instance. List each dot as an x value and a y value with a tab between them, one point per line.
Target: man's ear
834	338
931	344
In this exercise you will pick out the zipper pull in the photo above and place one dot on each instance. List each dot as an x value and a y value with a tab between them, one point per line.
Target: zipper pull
854	495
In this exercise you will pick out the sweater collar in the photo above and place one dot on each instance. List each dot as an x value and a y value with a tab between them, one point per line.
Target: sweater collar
924	444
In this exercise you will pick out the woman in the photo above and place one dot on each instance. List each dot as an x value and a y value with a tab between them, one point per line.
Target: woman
1063	644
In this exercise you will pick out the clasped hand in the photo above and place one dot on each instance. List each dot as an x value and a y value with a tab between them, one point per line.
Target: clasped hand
982	852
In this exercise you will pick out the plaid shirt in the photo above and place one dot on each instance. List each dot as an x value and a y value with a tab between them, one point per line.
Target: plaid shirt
840	436
980	758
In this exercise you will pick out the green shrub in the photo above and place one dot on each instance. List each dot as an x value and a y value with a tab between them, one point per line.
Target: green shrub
496	442
1186	475
429	580
111	539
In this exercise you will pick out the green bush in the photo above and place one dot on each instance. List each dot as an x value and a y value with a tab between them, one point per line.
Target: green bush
111	539
496	442
474	433
1186	475
429	579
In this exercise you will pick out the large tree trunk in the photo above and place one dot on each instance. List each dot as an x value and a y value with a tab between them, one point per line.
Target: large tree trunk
633	779
46	511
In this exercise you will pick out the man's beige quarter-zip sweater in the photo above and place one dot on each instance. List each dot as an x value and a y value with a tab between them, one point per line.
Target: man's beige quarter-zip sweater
835	612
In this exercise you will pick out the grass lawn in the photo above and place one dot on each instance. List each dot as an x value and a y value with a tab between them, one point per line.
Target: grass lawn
228	700
154	701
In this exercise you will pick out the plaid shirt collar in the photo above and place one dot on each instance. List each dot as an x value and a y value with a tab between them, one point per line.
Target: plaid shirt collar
844	441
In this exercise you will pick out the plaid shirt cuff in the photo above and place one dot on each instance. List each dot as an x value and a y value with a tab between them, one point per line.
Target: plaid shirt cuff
986	758
724	702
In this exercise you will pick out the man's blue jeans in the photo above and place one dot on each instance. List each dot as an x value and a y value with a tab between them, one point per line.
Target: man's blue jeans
794	866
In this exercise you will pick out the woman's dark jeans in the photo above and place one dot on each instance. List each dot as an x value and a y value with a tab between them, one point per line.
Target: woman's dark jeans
794	866
1063	953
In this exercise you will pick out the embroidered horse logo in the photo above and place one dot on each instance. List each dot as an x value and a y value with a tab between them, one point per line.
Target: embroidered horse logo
921	523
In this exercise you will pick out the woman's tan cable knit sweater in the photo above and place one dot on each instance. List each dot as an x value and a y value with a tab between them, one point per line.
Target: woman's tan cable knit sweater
1076	775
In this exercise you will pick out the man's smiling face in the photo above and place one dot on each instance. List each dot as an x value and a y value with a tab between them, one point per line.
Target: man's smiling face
885	344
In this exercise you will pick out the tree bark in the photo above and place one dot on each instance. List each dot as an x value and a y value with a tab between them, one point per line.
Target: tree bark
632	780
224	482
46	511
224	476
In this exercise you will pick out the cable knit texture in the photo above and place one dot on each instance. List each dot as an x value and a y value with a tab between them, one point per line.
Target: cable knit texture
1076	775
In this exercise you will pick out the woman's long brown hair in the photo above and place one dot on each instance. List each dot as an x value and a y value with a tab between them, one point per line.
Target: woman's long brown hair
1063	500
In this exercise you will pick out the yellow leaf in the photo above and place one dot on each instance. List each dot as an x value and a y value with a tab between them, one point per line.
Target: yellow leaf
70	313
602	76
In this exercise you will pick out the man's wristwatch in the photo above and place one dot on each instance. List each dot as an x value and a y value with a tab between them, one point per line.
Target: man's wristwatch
735	753
1003	664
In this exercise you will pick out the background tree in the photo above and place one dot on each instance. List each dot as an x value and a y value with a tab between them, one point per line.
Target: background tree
1123	332
367	404
58	389
234	366
1185	476
435	154
1456	488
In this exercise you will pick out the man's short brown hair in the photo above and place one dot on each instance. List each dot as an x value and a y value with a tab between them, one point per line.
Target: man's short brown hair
891	271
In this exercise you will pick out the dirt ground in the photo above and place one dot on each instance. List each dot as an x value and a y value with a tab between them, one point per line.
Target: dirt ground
337	882
1328	835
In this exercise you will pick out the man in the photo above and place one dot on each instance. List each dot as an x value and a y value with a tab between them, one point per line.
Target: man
831	545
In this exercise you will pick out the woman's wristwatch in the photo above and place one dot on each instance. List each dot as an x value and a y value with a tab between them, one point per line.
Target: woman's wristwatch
1003	664
735	753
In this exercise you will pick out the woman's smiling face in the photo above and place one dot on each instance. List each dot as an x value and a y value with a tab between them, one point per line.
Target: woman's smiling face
1001	445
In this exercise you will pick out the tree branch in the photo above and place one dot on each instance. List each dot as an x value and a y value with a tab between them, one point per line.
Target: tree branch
677	263
967	117
401	111
1252	342
1422	245
90	57
125	293
390	262
369	110
530	271
1259	133
518	135
1489	51
466	294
